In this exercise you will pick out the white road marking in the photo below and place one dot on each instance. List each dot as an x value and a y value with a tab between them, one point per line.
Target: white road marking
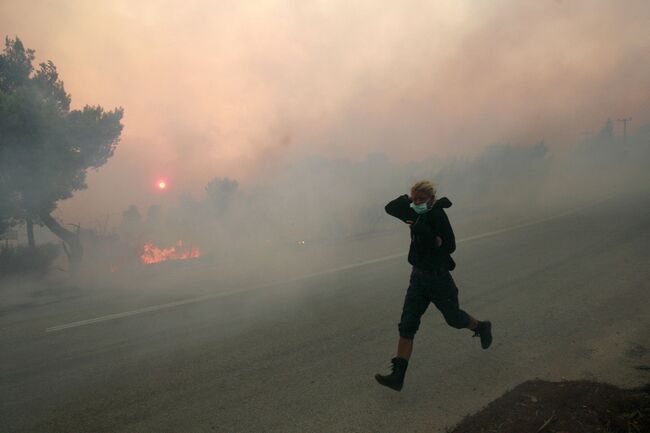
300	278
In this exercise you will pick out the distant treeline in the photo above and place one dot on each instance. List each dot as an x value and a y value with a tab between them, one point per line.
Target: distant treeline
326	199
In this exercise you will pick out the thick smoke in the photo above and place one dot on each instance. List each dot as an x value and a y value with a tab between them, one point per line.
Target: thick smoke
206	96
293	136
322	213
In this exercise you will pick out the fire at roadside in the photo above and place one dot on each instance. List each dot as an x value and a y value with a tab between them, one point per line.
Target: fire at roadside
119	254
152	254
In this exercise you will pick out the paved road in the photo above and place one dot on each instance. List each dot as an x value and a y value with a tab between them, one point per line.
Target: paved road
569	298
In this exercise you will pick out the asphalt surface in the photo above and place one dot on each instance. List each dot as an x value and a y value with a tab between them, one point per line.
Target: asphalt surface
569	298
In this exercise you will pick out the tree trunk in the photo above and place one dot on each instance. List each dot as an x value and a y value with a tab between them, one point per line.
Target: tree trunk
30	232
71	239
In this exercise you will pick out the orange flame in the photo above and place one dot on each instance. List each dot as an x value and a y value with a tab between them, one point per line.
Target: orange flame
152	254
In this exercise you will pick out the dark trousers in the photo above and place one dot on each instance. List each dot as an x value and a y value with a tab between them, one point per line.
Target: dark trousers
426	287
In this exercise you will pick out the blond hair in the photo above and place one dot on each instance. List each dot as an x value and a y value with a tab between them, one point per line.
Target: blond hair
424	186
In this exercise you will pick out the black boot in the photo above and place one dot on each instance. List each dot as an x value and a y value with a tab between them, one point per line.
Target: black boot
484	330
395	380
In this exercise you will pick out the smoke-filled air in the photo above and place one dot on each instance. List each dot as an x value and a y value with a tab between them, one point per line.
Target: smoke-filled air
210	212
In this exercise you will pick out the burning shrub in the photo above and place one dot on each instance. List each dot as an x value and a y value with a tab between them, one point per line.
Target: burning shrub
152	254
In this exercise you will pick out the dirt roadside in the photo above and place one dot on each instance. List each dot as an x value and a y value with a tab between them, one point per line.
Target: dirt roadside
569	406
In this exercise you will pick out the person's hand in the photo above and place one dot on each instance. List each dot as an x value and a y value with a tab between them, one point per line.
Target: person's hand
438	241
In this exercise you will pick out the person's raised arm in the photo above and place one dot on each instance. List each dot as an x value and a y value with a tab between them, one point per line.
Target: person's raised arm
400	208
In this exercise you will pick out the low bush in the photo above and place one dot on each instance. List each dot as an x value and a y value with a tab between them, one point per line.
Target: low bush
18	260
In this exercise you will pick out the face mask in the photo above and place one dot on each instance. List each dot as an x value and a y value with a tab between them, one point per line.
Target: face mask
420	208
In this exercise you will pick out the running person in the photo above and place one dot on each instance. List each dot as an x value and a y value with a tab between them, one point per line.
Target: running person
432	242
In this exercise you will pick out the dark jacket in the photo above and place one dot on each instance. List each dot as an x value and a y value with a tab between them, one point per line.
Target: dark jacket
423	252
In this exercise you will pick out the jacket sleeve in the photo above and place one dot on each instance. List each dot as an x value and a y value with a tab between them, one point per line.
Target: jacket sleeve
447	234
400	208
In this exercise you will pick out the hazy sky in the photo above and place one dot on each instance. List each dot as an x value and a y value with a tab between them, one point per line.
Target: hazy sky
242	88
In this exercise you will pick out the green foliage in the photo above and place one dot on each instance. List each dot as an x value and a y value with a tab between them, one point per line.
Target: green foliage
16	65
45	148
